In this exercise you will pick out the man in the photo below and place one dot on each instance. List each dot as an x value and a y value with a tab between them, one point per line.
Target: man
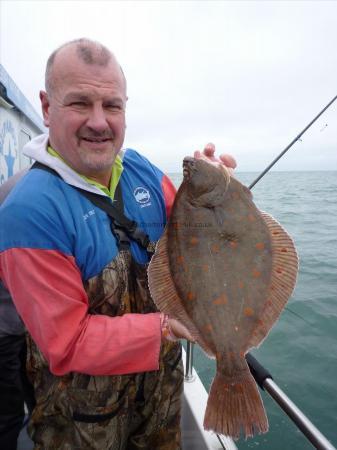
105	363
15	389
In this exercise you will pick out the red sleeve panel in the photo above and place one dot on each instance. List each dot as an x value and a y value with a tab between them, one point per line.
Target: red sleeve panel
169	191
56	314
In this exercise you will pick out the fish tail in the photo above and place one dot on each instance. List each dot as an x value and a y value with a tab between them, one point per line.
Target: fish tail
235	407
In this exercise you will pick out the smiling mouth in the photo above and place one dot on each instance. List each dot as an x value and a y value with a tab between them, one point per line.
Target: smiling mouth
95	140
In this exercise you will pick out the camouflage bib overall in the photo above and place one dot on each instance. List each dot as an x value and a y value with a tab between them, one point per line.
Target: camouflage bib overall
126	412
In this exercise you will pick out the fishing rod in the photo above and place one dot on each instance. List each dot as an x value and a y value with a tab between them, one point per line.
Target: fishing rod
260	374
290	145
264	379
284	151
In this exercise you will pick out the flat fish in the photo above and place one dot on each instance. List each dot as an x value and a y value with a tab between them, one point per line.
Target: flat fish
225	270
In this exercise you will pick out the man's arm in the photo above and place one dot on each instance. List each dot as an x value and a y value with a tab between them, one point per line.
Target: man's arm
10	322
49	295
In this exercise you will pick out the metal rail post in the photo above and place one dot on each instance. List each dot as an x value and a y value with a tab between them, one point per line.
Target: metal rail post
189	362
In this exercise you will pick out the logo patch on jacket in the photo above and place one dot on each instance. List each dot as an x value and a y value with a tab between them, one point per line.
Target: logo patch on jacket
142	196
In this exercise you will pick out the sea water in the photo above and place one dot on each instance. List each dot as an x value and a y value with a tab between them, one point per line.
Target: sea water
301	349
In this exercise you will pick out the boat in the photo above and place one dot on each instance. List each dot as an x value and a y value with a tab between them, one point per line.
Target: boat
19	123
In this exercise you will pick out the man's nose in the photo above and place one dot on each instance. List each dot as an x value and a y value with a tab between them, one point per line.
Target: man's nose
97	119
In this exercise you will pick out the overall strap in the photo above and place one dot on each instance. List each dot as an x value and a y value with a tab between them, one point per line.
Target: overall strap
122	227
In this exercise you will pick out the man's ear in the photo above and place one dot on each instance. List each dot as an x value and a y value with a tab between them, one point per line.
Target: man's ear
45	107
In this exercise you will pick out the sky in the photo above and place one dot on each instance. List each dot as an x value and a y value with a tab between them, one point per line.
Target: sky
248	76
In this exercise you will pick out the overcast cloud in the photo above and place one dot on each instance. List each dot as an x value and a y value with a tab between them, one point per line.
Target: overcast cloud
248	76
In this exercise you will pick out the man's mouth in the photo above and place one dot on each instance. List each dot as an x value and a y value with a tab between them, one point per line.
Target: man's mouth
95	139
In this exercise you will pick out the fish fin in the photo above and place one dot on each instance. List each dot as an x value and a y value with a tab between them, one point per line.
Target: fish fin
164	294
247	191
235	406
283	279
236	185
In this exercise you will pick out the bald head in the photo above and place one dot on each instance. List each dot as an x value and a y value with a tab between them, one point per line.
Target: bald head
84	107
87	51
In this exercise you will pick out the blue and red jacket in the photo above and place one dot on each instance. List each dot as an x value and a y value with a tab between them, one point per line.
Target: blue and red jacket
53	239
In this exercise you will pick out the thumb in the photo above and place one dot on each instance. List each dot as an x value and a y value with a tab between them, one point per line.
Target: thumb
179	330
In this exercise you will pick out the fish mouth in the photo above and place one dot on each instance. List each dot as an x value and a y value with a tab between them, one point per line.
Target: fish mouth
188	167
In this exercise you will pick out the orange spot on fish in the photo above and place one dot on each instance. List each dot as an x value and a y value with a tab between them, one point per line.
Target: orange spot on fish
251	218
215	248
248	312
233	244
194	240
241	284
284	250
256	273
231	355
190	296
260	246
180	259
242	354
278	270
205	268
218	355
222	300
275	233
238	388
208	328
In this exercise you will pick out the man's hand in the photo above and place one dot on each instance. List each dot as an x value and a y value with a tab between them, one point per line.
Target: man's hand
179	331
172	329
208	155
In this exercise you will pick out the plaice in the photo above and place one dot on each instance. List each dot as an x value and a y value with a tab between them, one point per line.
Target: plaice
225	270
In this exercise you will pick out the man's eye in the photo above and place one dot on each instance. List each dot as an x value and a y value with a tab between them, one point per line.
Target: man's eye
78	104
113	107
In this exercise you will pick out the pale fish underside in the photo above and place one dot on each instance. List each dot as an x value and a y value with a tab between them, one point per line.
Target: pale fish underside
225	270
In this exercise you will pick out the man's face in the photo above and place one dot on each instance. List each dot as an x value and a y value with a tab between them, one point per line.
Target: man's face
85	113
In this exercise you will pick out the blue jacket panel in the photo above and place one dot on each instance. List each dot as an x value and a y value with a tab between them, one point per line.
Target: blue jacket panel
44	212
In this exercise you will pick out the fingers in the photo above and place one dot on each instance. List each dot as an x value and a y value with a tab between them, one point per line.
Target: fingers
209	150
197	154
208	155
228	160
179	330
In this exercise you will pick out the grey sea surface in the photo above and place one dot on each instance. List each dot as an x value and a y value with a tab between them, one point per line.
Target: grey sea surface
301	349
